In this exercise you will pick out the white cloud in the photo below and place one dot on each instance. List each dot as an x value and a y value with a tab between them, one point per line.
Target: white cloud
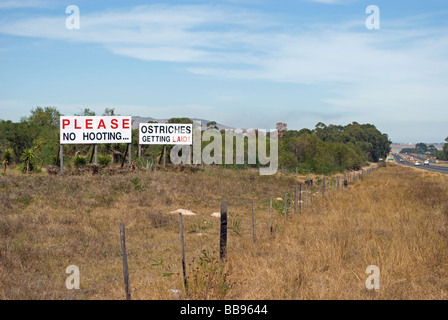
332	1
165	54
16	4
397	71
185	31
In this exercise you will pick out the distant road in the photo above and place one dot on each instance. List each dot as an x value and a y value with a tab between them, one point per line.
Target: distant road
422	166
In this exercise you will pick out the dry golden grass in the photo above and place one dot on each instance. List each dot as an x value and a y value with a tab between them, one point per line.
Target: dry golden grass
395	218
49	222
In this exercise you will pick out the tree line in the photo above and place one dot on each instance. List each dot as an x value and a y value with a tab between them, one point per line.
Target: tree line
332	148
33	143
423	148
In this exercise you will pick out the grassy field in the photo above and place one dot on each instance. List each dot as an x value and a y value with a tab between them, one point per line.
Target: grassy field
396	218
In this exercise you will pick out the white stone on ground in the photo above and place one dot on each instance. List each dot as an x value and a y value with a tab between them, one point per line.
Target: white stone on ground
184	212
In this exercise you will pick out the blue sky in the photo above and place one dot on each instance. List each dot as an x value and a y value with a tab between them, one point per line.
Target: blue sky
246	64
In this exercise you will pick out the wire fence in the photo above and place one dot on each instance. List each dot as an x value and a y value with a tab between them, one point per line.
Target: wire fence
145	266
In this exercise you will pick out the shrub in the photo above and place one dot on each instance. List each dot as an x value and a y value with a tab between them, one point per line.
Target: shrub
7	155
29	156
104	160
22	167
93	168
136	184
209	277
79	161
53	170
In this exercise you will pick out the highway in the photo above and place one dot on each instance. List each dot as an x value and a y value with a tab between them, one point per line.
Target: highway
430	167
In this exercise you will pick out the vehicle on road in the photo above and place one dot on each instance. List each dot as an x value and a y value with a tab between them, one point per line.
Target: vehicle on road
426	162
417	163
401	160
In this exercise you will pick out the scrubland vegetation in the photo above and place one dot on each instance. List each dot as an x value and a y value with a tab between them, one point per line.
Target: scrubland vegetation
33	144
396	218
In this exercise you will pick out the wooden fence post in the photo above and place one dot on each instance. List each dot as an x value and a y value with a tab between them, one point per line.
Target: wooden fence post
311	197
161	156
95	150
323	187
292	200
125	262
61	162
253	221
92	154
300	198
286	204
223	234
182	248
296	199
306	196
124	157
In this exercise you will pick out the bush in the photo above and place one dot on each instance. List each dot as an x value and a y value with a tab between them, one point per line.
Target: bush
79	161
93	168
22	167
53	170
7	155
104	160
287	160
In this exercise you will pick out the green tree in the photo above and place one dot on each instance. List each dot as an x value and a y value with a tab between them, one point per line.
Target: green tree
421	147
408	150
294	133
29	156
17	136
47	117
443	154
445	149
109	112
8	155
40	128
168	148
180	120
431	149
332	148
369	139
86	112
212	125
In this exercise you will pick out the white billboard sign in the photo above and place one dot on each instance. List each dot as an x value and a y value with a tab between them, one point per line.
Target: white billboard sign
95	129
166	133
